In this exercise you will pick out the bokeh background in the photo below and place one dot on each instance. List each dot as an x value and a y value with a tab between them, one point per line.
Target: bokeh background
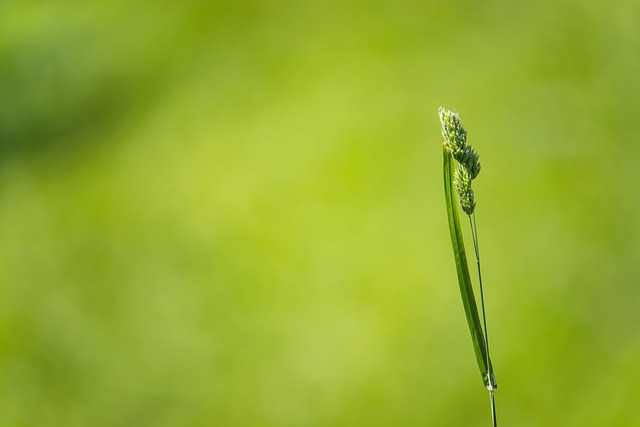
230	213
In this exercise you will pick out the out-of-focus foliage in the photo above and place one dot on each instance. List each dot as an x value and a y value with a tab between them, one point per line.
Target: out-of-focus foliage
230	213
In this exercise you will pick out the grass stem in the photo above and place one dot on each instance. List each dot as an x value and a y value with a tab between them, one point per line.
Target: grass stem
476	247
493	408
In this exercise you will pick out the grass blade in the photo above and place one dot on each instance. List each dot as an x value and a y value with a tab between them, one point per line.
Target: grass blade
464	279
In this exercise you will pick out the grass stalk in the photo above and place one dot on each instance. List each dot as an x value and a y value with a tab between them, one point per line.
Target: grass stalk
476	247
459	180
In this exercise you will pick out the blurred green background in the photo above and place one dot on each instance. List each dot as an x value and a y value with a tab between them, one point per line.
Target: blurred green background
230	213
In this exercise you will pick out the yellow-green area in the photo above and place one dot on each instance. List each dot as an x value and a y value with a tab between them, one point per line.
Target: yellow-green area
231	213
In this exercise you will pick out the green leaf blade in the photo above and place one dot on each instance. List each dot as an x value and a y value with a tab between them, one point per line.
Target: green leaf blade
464	279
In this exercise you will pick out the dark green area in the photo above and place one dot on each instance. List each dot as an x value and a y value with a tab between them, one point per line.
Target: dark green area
230	213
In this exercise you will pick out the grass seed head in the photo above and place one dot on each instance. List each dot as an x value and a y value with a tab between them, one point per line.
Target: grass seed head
469	159
452	131
462	185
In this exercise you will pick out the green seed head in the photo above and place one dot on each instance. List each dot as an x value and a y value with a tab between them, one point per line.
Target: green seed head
452	131
469	159
469	162
462	185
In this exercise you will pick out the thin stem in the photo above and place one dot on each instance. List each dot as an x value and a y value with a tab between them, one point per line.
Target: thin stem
474	234
493	408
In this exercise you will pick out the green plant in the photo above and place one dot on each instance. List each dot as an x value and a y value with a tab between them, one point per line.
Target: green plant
458	178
